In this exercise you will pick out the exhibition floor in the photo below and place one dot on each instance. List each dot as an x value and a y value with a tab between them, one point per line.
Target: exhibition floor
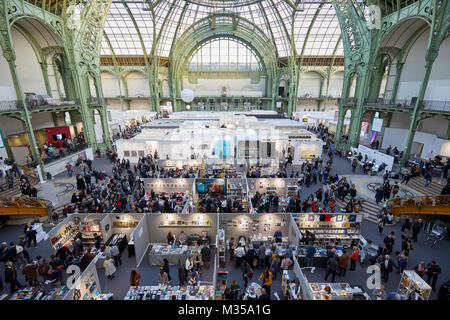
422	252
120	284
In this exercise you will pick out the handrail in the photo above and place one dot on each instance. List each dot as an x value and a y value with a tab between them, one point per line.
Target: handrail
9	105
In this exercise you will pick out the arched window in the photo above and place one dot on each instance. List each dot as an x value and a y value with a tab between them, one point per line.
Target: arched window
223	54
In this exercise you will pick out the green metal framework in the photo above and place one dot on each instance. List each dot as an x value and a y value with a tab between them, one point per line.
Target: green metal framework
288	37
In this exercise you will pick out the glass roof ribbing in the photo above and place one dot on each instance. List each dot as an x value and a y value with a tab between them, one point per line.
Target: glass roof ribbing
154	25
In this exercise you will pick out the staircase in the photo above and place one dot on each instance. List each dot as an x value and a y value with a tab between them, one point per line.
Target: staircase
370	208
418	183
15	191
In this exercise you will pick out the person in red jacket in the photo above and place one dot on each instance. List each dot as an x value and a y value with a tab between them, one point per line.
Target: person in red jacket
354	258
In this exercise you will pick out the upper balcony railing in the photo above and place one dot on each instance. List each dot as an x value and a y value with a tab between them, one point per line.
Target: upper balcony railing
9	105
346	101
432	105
49	103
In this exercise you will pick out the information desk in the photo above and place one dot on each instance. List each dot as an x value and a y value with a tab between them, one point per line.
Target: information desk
175	256
162	292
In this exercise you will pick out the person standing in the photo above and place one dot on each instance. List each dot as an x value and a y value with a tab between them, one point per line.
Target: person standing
433	271
165	267
310	252
262	255
380	223
30	272
231	247
416	227
353	258
235	288
332	266
286	263
386	267
115	253
343	263
389	243
11	277
109	267
206	255
239	253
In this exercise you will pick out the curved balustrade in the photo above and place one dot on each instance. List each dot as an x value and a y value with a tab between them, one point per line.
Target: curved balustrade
23	206
420	205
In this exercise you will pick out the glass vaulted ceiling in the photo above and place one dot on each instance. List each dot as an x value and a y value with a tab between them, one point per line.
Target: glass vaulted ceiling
153	25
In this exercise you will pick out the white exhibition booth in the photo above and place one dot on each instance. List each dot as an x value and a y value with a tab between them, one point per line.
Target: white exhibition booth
425	145
221	137
374	156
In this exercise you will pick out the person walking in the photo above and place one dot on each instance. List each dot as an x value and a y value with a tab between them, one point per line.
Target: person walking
379	194
343	263
267	277
247	272
353	258
432	272
332	266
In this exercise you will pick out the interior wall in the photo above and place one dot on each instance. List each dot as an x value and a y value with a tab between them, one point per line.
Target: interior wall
7	91
306	105
414	69
110	84
235	87
265	224
439	83
137	83
28	67
437	126
10	126
158	234
309	84
335	84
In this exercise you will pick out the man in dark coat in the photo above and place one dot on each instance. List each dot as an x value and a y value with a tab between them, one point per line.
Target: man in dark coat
416	227
386	267
11	277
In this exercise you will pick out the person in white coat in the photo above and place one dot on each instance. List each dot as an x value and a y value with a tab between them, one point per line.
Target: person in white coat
109	266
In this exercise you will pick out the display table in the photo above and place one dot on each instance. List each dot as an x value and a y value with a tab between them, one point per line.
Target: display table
118	239
320	257
338	291
41	292
175	256
252	292
162	292
411	282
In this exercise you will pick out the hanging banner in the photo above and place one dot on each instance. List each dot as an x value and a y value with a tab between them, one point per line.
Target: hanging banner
377	124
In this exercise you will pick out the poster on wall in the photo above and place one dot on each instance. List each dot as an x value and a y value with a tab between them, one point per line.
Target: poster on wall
377	124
